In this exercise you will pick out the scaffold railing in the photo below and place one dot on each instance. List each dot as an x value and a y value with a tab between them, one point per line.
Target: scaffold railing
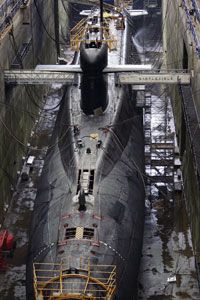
86	281
77	35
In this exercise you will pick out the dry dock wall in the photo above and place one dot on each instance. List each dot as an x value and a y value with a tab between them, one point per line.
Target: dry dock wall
31	41
181	52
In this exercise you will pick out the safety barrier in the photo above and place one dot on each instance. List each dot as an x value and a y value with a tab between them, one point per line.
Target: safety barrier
85	281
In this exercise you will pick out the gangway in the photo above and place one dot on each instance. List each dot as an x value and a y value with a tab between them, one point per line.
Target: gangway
43	76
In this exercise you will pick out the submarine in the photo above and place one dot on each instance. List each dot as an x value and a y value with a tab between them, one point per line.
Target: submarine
87	226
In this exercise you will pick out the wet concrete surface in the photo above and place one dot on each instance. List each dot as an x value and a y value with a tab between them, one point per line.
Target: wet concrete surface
167	253
167	266
17	221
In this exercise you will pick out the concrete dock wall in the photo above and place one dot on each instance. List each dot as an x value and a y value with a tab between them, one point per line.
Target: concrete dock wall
180	51
31	41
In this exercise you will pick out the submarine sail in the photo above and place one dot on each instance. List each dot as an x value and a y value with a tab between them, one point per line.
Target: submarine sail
87	228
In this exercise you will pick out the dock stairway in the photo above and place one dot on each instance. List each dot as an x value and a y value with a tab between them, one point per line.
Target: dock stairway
159	154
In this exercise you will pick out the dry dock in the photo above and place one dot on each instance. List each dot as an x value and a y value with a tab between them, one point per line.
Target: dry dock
171	252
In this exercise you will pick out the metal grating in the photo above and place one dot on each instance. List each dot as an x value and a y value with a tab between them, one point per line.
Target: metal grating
79	233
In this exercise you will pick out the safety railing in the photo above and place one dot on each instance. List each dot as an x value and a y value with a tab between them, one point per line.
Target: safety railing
76	34
77	38
110	39
86	281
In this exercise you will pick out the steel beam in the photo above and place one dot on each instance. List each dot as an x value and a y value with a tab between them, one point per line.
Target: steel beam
65	74
152	77
108	69
37	77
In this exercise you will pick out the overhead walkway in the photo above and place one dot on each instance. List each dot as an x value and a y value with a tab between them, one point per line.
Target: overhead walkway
137	77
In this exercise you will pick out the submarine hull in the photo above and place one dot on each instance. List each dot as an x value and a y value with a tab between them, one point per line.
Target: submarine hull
117	216
94	93
93	60
99	156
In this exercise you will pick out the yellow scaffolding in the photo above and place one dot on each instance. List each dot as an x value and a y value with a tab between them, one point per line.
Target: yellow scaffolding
54	281
77	35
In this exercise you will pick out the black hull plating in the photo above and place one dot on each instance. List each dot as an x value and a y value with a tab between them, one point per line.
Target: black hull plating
94	93
93	60
94	89
118	187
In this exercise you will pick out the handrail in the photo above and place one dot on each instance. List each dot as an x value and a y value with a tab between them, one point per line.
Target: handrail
78	25
88	279
58	282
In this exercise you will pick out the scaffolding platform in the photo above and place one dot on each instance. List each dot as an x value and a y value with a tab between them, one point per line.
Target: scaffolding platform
159	150
60	281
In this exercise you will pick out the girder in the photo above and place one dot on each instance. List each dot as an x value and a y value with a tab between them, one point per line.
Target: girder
45	76
37	77
169	77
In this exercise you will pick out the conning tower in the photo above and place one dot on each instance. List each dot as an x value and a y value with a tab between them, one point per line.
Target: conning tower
93	59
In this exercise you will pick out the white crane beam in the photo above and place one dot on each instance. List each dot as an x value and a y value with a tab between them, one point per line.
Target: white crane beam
37	77
135	75
150	78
